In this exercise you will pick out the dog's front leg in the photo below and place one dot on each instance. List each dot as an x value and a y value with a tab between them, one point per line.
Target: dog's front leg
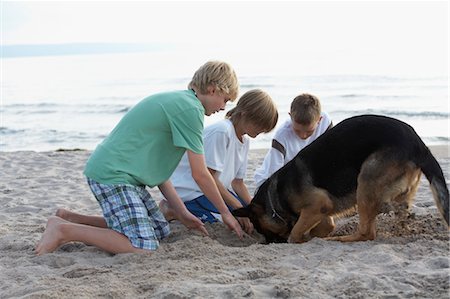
303	225
318	207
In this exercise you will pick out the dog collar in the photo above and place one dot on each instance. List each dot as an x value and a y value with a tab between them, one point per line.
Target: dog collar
274	212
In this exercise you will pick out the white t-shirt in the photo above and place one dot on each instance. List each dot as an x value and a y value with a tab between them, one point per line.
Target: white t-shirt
292	144
223	152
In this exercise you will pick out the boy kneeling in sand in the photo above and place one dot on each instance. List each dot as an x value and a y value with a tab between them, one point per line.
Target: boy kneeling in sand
307	122
226	153
143	150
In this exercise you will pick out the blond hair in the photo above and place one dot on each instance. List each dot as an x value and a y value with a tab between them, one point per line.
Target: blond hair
305	109
257	107
218	74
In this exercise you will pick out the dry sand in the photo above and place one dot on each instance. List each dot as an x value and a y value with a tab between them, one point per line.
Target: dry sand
408	262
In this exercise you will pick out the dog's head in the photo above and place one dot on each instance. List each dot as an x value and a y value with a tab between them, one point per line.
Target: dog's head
265	225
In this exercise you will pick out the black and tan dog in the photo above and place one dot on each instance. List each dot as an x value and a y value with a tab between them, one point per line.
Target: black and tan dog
365	162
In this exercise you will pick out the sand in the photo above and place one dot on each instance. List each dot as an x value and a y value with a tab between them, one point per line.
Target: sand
410	262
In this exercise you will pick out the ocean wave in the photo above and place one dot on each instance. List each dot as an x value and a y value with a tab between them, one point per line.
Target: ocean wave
32	105
9	131
50	108
355	95
124	110
371	78
253	86
436	140
409	114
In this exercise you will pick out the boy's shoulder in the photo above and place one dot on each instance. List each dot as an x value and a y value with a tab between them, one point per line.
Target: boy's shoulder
326	119
324	114
284	132
173	102
284	128
223	126
171	95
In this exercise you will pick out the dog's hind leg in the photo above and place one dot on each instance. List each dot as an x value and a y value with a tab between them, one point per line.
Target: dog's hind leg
318	208
368	211
372	181
402	203
368	204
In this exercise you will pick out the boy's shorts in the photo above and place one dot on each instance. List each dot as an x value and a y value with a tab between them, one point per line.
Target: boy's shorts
131	211
203	209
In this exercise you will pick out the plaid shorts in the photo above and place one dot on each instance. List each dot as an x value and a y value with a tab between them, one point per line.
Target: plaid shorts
131	211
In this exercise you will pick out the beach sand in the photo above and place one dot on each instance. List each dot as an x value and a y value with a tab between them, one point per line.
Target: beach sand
410	262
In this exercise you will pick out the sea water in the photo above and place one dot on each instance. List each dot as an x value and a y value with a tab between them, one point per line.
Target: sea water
54	102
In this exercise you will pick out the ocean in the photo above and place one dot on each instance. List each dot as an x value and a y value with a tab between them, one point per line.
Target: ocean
68	102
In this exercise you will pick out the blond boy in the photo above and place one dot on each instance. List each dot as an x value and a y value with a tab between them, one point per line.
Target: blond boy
143	150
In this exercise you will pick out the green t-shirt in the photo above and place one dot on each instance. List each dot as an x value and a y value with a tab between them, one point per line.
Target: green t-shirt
147	144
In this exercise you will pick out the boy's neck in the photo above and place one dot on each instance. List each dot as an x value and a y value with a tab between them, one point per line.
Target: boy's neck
199	96
238	129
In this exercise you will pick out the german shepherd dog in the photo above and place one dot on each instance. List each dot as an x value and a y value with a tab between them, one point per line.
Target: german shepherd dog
368	163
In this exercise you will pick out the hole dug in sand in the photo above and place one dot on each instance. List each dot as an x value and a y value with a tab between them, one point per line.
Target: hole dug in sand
217	232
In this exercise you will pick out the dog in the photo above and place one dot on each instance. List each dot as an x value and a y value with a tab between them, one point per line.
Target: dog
365	163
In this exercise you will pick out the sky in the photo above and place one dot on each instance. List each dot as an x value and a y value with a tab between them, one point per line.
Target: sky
369	37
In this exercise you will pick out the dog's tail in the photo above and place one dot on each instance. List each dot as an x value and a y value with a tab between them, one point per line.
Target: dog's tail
433	172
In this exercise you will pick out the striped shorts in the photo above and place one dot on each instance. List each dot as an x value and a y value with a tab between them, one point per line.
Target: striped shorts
131	211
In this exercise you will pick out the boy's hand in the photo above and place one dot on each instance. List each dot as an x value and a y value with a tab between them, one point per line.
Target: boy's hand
246	224
232	224
192	222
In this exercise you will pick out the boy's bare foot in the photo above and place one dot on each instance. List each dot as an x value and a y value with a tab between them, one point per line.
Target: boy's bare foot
63	213
52	237
166	210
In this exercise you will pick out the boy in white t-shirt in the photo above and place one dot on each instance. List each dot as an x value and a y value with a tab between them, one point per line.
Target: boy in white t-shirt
226	151
307	122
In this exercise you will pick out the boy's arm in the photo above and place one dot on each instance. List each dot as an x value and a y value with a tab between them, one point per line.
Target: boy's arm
183	214
229	199
241	190
206	182
232	201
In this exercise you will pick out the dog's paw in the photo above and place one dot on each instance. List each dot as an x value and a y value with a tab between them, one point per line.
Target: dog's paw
293	239
332	238
351	238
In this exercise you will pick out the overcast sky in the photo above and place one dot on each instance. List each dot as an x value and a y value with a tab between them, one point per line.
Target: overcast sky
404	33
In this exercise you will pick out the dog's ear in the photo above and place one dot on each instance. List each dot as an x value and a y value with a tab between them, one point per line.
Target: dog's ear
241	212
